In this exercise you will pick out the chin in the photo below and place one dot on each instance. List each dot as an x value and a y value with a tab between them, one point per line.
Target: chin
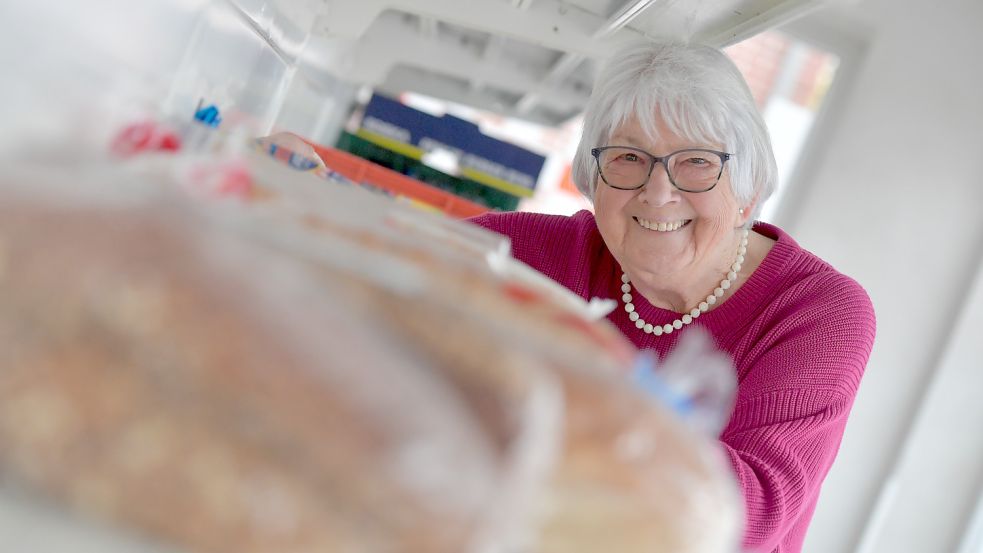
657	261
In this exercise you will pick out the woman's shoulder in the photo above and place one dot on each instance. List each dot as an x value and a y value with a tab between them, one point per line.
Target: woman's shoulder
549	243
798	276
802	313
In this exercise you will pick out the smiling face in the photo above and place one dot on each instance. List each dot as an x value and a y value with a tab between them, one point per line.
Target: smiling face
659	233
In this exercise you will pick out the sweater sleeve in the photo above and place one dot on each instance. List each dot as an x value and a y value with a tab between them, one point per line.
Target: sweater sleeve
544	242
797	385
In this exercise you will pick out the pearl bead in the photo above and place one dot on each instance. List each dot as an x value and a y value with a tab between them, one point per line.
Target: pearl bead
629	307
725	284
657	330
742	250
640	323
626	288
740	259
704	307
695	312
711	299
719	292
633	316
624	278
731	275
648	329
677	324
626	298
667	329
687	318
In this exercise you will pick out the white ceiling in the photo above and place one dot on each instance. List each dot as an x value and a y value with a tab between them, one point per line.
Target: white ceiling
532	59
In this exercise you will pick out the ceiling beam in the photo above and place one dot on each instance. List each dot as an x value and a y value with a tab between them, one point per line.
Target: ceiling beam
490	55
374	59
428	27
774	16
554	24
400	81
569	61
624	16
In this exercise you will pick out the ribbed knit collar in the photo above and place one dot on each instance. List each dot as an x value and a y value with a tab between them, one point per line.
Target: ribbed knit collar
762	282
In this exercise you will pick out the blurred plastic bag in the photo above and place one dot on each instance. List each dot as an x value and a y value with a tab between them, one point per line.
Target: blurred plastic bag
696	380
375	366
630	476
165	374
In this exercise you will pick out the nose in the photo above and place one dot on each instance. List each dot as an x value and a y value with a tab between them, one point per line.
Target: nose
658	189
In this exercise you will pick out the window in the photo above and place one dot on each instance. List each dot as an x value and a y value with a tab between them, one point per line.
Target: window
789	80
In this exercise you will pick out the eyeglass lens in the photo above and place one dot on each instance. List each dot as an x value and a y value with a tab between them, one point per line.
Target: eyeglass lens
694	170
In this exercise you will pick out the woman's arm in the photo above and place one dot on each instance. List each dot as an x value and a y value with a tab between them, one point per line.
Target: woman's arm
797	385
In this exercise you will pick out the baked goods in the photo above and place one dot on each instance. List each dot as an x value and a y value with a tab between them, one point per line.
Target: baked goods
269	377
628	476
157	377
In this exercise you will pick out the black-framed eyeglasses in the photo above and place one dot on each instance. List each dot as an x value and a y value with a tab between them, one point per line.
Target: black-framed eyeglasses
690	170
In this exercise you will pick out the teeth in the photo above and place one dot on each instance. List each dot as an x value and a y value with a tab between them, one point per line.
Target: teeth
661	226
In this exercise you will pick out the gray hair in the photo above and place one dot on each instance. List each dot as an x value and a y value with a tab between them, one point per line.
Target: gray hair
698	93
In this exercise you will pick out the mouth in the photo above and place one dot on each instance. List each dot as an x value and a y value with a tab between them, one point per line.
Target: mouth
662	226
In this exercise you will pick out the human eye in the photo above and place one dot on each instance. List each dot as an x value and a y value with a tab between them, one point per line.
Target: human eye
697	160
628	157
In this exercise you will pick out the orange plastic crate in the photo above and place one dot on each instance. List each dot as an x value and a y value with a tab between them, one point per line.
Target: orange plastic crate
362	170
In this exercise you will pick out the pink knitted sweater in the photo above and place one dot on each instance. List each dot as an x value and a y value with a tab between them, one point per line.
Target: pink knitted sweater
799	333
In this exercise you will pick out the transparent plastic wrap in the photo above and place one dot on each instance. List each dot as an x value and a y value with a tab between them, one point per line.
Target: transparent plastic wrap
696	381
460	261
641	468
240	59
508	420
631	474
176	379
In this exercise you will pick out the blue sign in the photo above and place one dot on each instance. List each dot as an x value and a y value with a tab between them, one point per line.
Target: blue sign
483	155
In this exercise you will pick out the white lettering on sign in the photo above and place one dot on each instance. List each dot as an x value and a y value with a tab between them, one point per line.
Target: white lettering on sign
498	170
386	129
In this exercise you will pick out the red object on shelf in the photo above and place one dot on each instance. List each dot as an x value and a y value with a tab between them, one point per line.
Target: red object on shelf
145	136
362	170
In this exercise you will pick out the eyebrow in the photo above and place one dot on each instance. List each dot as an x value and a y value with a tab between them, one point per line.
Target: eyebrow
628	140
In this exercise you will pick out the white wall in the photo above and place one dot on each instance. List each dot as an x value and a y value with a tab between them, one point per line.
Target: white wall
936	483
893	196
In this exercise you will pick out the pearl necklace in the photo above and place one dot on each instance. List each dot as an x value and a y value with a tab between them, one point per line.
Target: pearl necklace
688	318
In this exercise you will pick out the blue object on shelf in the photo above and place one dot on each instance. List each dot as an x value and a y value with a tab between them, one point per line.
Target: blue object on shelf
209	115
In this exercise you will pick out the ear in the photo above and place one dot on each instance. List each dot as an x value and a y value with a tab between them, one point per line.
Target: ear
746	210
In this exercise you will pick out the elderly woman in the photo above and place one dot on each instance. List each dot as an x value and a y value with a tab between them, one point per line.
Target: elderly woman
677	161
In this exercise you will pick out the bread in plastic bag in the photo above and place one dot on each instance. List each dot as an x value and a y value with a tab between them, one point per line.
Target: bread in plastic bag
209	391
631	474
558	451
